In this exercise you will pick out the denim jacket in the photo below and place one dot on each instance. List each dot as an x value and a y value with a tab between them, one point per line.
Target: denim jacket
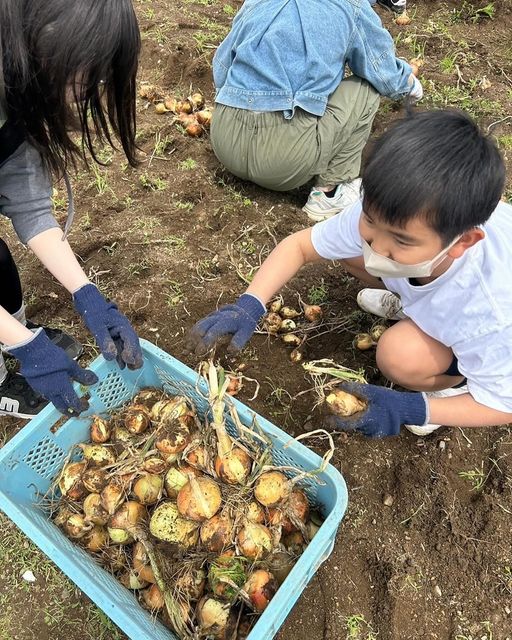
283	54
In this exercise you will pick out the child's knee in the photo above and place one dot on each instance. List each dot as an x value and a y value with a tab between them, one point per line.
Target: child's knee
398	358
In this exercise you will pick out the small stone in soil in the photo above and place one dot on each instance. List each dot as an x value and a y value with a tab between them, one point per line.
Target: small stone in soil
388	500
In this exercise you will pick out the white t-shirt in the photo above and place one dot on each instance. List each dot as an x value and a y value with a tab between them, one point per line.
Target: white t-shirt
468	308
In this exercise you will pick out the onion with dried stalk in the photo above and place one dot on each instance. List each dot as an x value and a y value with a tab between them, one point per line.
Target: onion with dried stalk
76	526
226	575
197	456
167	524
97	539
345	404
112	497
62	514
98	454
141	563
363	341
261	587
137	419
184	106
71	480
199	499
254	541
196	100
276	305
94	511
271	488
95	479
232	464
289	313
217	533
148	488
176	478
99	430
153	598
129	516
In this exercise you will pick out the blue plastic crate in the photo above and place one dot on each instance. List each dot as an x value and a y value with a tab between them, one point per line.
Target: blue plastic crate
30	461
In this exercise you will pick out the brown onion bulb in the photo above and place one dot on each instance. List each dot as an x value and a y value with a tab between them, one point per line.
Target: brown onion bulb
213	617
297	506
97	539
271	488
148	397
184	106
167	524
137	419
98	454
313	312
168	409
261	587
131	580
289	312
196	100
234	466
255	513
155	465
194	130
272	322
148	488
142	564
100	430
129	516
112	496
95	479
153	598
199	499
294	543
254	541
70	481
217	533
93	510
120	536
344	404
191	583
173	439
76	526
204	117
176	478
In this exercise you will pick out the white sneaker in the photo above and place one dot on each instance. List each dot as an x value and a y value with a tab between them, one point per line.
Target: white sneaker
442	393
381	303
319	207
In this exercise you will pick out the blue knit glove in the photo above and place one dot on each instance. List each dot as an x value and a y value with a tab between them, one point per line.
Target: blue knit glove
387	410
238	320
50	371
114	334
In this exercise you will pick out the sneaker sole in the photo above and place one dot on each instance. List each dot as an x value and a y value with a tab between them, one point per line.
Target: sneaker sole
319	217
397	12
22	416
422	431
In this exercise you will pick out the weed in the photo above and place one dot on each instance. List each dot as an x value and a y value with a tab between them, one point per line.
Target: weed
505	141
358	628
110	249
161	144
186	206
187	165
152	183
138	268
475	476
100	181
317	294
85	223
229	10
467	12
59	202
210	35
175	295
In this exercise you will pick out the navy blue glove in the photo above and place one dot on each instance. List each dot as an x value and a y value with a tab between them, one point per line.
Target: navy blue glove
50	371
114	334
387	410
238	320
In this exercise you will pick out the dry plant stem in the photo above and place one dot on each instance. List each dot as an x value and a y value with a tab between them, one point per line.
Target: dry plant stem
171	604
326	458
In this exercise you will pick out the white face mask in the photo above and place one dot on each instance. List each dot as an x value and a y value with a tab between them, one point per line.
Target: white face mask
382	267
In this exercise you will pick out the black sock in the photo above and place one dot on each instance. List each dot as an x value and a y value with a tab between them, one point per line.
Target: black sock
330	194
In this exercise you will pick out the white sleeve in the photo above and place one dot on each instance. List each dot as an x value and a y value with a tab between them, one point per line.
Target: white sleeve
338	237
486	361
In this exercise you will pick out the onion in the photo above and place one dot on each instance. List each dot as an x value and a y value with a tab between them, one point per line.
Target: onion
403	19
131	580
122	436
169	409
76	526
137	419
95	480
100	430
184	106
191	583
150	92
114	558
217	533
142	564
234	386
312	529
296	355
176	478
291	339
173	439
148	397
120	536
148	488
170	103
70	481
344	404
289	312
254	541
255	513
160	108
153	598
167	524
261	587
62	515
272	322
297	506
213	617
185	119
112	496
226	576
197	456
155	465
377	331
287	325
280	564
199	499
98	454
271	488
363	341
196	100
276	305
97	539
294	543
313	312
94	512
129	516
234	466
204	117
194	130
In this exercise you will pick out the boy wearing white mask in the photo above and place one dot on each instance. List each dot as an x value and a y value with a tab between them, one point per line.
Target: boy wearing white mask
430	229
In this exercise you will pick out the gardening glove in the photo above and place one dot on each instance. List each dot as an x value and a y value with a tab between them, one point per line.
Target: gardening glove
416	92
50	371
113	333
386	411
238	320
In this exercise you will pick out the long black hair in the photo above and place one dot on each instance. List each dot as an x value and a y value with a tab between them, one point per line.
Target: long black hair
56	52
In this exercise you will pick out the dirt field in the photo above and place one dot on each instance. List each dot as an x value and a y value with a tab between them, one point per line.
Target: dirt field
177	236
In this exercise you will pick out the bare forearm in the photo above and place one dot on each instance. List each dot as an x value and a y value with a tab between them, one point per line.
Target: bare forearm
58	257
464	411
282	264
12	331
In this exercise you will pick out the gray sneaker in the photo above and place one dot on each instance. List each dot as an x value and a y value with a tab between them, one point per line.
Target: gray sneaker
381	303
319	207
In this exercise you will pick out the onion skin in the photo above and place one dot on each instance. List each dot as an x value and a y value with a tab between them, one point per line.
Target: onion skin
94	511
148	397
148	488
120	536
168	409
76	526
196	100
216	533
194	130
199	499
137	419
70	481
213	617
313	313
271	488
403	20
167	524
100	430
191	583
153	598
98	454
141	563
261	587
289	313
298	505
155	465
176	478
111	497
173	439
113	558
129	515
97	539
234	467
254	541
344	404
95	480
255	513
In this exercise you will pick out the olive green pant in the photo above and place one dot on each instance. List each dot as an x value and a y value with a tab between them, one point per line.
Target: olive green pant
281	154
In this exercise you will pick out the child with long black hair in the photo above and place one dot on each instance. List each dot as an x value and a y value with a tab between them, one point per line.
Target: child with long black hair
65	65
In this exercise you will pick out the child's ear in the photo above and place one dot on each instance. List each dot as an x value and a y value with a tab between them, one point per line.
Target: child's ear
466	241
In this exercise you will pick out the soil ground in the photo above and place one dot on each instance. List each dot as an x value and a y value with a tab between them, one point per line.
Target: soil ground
175	237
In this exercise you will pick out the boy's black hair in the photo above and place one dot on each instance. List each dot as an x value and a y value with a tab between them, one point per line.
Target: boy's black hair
88	50
436	165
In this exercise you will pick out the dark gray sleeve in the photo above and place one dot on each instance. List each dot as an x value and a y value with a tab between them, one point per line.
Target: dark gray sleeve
25	193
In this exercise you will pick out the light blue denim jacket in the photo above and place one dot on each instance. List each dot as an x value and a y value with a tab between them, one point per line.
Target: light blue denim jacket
283	54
